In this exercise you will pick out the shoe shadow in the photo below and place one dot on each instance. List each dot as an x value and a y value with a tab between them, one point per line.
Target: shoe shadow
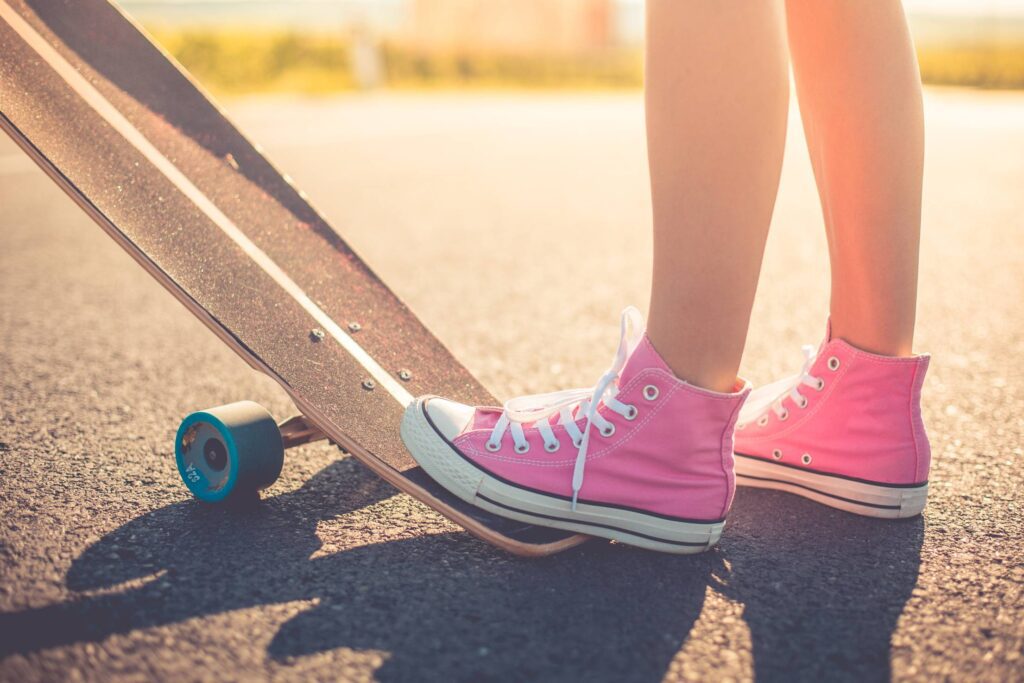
823	589
439	607
446	611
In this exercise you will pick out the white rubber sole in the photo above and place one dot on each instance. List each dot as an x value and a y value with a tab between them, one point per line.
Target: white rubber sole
475	486
858	497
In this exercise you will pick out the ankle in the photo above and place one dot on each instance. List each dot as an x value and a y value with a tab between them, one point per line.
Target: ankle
703	370
877	337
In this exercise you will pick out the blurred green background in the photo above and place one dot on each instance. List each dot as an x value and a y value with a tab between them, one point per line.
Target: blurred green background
324	46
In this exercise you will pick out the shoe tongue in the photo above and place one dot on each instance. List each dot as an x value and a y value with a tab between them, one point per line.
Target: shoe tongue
644	356
485	418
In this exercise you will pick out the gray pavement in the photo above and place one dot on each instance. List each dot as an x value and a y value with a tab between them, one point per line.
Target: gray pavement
517	227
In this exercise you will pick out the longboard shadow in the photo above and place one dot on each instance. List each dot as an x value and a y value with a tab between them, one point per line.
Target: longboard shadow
444	598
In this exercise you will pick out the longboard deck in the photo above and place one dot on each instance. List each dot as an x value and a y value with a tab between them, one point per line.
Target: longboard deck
144	152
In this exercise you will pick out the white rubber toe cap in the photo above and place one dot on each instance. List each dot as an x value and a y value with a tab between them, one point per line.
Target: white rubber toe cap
449	417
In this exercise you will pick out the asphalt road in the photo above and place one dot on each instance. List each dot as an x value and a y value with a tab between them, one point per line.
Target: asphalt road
476	210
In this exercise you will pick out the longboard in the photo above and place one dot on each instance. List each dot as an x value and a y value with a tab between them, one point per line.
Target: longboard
125	131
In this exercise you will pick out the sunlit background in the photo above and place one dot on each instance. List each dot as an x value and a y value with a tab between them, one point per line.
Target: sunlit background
319	46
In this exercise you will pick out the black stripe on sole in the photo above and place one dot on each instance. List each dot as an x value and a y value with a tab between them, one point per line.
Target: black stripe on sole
593	524
830	474
820	492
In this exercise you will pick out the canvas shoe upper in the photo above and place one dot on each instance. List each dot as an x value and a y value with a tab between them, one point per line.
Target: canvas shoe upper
642	457
846	431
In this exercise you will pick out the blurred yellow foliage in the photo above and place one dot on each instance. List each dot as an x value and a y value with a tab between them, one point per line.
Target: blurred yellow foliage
982	66
235	62
246	61
256	61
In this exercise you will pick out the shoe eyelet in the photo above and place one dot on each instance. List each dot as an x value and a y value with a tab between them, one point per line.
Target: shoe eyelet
802	402
492	446
777	454
820	385
784	416
608	431
650	392
631	413
577	442
523	449
806	458
741	426
833	363
762	421
552	447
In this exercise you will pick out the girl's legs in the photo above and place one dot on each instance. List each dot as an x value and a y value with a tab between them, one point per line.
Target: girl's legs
847	432
860	98
717	97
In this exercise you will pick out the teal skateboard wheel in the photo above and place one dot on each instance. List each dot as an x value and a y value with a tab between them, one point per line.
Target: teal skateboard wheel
230	450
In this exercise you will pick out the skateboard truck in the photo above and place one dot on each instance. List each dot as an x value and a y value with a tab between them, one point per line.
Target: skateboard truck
296	431
236	449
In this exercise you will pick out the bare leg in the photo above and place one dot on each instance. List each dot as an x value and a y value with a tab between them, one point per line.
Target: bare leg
860	99
717	95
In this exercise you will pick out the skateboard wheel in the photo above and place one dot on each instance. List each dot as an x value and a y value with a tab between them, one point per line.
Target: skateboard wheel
231	449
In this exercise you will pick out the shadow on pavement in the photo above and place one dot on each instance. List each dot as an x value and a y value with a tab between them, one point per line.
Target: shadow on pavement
820	600
822	589
443	606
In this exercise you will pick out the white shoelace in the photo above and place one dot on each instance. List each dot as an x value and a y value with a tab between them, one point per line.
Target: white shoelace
772	395
570	404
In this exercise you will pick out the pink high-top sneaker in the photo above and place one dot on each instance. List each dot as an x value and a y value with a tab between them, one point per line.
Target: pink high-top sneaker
846	432
642	458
